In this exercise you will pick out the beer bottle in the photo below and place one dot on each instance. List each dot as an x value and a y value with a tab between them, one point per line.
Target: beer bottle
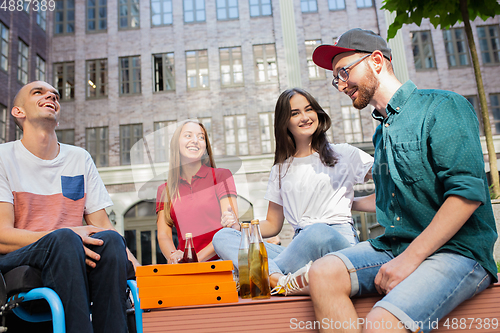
243	261
189	251
257	261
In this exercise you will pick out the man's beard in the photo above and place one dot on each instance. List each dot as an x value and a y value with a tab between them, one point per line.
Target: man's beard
366	91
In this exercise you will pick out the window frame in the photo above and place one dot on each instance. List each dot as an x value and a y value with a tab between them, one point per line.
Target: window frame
195	10
354	117
232	73
364	4
308	2
270	118
227	10
129	5
130	81
336	2
98	154
23	55
98	74
167	56
454	41
41	19
320	72
422	56
260	5
163	132
4	42
97	20
66	76
495	109
65	22
162	13
132	143
488	39
236	129
62	136
198	68
3	123
266	70
39	60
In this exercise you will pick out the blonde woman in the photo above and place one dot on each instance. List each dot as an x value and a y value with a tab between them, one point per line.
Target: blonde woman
194	196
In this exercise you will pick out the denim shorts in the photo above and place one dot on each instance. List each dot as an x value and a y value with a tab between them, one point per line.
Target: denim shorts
436	287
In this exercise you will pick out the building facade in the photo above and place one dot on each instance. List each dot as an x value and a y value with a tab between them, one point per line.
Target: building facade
130	70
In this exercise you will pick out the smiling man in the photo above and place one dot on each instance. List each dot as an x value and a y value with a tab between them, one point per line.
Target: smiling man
431	196
46	190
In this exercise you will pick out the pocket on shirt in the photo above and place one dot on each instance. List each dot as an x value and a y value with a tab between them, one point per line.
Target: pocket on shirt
73	187
408	161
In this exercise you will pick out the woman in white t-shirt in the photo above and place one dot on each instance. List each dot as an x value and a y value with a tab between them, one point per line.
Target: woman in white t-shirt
311	185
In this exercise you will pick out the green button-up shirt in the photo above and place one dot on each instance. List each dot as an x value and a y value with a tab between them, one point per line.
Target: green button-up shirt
426	149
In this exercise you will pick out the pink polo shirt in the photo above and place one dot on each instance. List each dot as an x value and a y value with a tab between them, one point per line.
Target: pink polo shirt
198	210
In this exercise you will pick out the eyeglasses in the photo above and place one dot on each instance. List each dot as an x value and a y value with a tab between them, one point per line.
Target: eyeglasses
343	74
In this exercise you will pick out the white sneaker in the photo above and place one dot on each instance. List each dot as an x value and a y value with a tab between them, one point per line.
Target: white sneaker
294	284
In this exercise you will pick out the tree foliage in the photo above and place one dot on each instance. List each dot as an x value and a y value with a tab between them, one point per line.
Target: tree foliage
440	12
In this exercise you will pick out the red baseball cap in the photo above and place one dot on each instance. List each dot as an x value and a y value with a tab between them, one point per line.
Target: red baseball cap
353	40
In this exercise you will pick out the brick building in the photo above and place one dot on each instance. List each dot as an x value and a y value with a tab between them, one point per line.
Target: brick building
129	70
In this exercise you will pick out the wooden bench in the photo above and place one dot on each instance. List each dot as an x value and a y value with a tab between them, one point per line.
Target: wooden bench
286	314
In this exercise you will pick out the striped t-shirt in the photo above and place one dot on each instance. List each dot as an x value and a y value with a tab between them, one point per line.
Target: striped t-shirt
50	194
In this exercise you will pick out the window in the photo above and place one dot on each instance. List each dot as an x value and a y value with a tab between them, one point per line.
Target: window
475	103
336	4
164	73
423	53
352	124
260	8
97	15
141	234
236	135
227	9
66	136
41	19
97	78
314	71
266	69
495	111
97	145
308	6
130	75
4	47
207	122
163	134
3	123
128	14
231	66
329	132
22	63
197	69
129	152
161	12
489	43
266	127
64	17
364	3
457	52
194	11
40	69
64	75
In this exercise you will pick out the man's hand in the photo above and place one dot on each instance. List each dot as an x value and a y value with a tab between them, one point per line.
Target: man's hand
175	257
394	271
229	219
85	232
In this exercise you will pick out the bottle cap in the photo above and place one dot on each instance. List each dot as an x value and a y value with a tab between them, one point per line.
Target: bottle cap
255	222
245	224
189	235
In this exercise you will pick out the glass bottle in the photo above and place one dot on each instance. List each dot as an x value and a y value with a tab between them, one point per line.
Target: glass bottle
189	251
257	261
243	261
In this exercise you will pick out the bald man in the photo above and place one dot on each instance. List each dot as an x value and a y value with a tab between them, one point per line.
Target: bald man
46	190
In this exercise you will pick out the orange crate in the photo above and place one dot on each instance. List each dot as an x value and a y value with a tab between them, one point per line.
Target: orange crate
183	279
189	268
189	289
198	299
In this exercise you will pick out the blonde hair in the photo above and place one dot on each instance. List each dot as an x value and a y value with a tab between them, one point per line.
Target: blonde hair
174	170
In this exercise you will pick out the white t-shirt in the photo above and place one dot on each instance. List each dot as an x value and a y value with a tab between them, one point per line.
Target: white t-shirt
50	194
312	192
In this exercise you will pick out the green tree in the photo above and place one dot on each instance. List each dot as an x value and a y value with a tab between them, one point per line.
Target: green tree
446	13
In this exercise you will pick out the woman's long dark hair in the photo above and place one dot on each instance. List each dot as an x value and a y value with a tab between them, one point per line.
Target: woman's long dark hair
285	143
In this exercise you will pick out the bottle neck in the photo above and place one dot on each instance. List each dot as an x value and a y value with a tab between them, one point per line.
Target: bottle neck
256	237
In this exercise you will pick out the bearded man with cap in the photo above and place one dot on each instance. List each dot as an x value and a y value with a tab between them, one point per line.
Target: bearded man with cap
432	198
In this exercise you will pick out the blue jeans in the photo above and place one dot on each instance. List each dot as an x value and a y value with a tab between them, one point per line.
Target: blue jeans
310	243
61	258
436	287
